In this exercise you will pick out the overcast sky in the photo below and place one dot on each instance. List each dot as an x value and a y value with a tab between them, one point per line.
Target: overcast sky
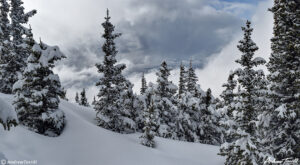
205	31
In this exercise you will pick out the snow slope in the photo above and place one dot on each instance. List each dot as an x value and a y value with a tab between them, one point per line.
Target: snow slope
84	143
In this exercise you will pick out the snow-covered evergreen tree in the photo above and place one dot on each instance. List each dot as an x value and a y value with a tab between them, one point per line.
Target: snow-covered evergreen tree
37	92
166	103
284	66
77	98
228	94
83	100
227	106
182	81
5	87
148	135
139	106
188	117
191	80
15	59
208	129
114	107
94	101
144	85
142	103
64	94
245	147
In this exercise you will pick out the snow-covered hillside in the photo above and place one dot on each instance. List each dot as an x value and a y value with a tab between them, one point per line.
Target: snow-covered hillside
84	143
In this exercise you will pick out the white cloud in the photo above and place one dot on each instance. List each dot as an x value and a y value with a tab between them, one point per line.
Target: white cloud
66	22
217	70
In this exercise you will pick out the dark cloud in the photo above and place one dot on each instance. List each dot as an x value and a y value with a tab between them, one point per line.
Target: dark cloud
153	31
173	30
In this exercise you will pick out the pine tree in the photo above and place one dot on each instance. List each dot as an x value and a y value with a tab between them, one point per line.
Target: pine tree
284	66
94	101
182	80
4	45
83	100
77	98
114	107
142	103
208	128
64	94
245	148
191	80
227	107
147	138
144	85
228	94
37	92
15	59
188	117
165	100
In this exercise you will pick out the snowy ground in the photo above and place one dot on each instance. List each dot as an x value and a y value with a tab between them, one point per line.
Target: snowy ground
84	143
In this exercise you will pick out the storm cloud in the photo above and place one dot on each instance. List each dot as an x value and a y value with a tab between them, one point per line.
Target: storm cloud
153	30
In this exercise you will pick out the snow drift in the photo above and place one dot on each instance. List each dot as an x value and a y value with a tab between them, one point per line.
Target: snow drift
82	142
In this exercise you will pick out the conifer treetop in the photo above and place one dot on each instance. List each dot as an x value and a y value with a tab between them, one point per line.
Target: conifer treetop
248	48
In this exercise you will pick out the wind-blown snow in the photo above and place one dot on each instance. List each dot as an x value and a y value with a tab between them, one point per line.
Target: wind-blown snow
84	143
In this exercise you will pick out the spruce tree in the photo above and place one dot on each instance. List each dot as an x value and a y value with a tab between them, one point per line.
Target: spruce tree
148	135
37	92
182	80
191	80
208	129
227	107
144	85
64	94
5	87
94	101
284	67
188	117
228	94
166	102
245	148
114	107
15	59
83	100
77	98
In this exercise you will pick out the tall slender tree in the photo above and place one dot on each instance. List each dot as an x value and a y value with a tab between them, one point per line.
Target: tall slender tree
114	107
182	80
144	84
284	67
83	100
165	102
5	87
245	148
77	98
192	80
147	138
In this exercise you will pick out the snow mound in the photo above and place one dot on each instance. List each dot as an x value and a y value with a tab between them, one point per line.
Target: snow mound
82	142
7	112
